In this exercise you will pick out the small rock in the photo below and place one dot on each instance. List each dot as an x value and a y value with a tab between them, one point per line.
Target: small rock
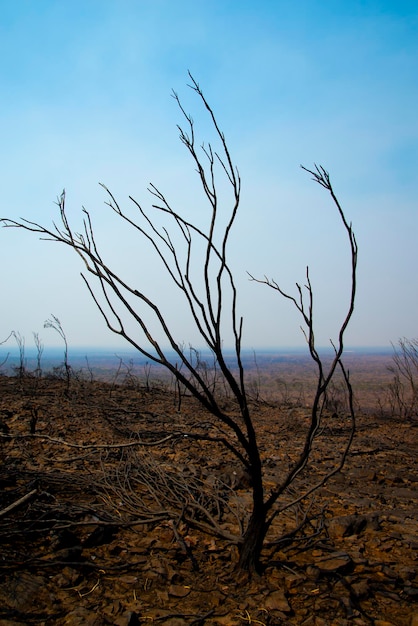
412	593
361	588
408	573
128	579
129	618
334	562
178	591
80	615
365	474
293	581
276	601
404	493
347	525
313	572
228	620
18	592
115	608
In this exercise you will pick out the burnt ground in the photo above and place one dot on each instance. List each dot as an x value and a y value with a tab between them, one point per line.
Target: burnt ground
112	530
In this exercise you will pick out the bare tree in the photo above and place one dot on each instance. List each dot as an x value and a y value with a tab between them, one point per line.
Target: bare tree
39	351
8	354
403	390
208	287
56	325
20	341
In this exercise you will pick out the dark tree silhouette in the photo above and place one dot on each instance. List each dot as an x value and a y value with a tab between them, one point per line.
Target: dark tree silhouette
208	287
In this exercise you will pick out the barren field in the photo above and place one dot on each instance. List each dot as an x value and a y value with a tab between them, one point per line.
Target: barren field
92	532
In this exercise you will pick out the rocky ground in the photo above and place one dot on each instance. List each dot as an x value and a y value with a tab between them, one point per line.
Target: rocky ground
95	526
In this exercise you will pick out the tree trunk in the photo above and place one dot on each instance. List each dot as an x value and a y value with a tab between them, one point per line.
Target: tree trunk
250	550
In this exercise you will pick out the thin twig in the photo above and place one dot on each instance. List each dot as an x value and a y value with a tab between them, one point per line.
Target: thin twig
17	503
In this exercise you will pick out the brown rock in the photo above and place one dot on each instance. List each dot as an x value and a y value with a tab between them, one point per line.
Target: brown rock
18	592
347	525
334	562
276	601
228	620
361	588
80	615
293	581
178	591
164	616
313	572
129	618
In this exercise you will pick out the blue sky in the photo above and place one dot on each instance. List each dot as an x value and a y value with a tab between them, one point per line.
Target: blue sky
85	98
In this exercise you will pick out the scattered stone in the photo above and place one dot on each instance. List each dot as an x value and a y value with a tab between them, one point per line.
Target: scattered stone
334	562
178	591
411	592
115	608
365	474
347	525
129	618
408	573
313	572
163	616
235	477
404	493
19	591
277	601
99	536
68	577
361	588
228	620
80	615
129	579
292	581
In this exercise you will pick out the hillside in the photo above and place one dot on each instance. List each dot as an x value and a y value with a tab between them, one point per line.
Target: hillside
117	494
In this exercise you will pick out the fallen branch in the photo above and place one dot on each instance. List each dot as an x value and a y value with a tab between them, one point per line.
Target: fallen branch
89	446
199	619
21	500
183	545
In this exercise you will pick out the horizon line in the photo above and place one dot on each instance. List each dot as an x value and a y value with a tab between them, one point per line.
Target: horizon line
127	348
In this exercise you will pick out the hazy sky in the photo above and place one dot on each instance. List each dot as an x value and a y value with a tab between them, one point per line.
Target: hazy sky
85	98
